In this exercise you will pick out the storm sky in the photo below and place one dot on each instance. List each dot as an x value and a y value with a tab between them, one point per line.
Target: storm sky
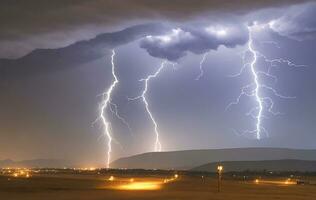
56	61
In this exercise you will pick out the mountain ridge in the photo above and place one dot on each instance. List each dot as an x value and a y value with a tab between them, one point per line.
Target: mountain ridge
36	163
262	165
188	159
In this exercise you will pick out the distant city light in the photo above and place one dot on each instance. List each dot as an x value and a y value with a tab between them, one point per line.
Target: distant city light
111	178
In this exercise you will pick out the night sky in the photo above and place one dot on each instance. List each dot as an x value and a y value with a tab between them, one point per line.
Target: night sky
56	61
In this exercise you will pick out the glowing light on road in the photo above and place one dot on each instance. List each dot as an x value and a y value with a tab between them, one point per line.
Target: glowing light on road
151	185
275	182
111	178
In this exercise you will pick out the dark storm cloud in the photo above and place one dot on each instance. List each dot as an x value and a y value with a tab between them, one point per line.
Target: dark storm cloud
49	60
196	39
26	25
299	22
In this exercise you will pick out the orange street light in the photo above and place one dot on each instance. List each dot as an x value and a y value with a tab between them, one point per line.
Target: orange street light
220	169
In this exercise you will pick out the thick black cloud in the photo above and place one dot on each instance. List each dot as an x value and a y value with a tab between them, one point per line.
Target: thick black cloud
26	25
196	39
50	60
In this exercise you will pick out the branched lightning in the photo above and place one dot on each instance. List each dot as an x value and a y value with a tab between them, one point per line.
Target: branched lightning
158	145
104	105
255	90
114	111
201	66
264	104
257	86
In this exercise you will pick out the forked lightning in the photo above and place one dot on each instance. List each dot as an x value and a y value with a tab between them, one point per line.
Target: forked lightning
158	146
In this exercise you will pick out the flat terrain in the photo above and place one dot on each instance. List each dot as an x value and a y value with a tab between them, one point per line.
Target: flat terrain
97	187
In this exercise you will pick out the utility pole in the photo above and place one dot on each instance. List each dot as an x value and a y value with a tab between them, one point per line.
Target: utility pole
219	175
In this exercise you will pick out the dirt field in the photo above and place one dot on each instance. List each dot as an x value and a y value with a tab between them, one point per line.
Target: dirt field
91	187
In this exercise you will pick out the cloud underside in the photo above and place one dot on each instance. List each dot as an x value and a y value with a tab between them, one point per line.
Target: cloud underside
27	25
297	23
177	42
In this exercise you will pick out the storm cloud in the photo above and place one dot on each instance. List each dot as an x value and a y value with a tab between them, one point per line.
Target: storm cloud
27	25
50	60
177	42
299	22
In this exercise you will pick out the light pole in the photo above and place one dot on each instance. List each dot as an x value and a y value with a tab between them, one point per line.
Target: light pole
219	174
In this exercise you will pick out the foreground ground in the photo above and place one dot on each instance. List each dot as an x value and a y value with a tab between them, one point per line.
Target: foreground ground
163	187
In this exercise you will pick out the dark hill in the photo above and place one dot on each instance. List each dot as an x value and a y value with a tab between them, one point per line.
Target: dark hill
37	163
193	158
269	165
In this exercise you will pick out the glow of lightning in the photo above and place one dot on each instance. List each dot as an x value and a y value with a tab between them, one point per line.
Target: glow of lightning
105	104
158	145
201	66
257	86
253	89
114	111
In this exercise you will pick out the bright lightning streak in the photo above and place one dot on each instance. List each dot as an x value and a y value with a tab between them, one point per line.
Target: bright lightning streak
114	110
201	66
257	86
254	89
158	145
105	104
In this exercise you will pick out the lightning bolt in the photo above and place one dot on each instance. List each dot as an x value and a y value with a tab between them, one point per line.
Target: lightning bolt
104	105
257	86
114	111
264	104
158	145
201	66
